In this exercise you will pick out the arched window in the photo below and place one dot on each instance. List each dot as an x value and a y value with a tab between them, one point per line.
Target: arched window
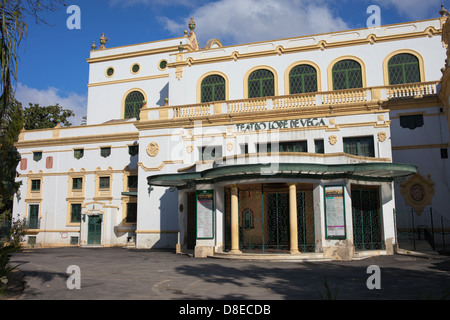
213	88
403	68
133	104
261	84
302	79
347	74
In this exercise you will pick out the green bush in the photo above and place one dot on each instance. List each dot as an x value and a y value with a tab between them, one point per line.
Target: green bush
17	234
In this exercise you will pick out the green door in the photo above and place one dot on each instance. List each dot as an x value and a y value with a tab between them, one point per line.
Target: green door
33	216
367	223
95	230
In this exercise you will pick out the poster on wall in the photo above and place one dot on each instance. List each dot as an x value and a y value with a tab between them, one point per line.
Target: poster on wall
205	214
335	212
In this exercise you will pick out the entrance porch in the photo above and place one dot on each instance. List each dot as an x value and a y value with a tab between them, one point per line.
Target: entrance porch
235	211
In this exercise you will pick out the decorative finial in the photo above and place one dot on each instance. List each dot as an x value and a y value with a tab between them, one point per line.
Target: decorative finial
192	24
443	12
93	47
192	37
103	41
180	47
185	33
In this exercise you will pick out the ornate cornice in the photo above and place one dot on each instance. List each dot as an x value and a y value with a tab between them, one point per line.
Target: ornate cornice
320	45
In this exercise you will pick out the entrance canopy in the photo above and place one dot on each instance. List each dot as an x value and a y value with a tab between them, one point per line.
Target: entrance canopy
357	171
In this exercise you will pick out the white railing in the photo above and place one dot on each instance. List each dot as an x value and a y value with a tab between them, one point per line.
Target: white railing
295	101
247	105
413	90
190	111
305	100
344	96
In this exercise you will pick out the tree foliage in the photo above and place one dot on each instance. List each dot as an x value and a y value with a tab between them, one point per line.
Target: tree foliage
37	117
12	31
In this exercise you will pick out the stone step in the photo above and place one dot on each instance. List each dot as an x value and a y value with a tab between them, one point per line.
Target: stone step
272	257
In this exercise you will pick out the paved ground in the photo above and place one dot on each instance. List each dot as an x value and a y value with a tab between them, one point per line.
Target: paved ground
128	274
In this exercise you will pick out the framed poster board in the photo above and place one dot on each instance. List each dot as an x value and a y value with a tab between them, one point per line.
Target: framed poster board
335	227
205	214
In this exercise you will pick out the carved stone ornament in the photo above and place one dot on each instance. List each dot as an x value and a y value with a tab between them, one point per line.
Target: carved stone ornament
230	146
153	149
446	33
179	73
332	140
417	192
103	41
381	136
189	148
192	37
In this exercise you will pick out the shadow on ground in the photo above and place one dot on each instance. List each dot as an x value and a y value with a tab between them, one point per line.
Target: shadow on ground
333	280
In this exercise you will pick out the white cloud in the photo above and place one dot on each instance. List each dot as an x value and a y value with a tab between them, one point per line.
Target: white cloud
130	3
242	21
412	9
51	96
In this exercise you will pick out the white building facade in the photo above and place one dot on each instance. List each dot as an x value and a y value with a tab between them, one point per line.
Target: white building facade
291	146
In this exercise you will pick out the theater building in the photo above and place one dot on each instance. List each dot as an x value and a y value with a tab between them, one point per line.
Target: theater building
290	147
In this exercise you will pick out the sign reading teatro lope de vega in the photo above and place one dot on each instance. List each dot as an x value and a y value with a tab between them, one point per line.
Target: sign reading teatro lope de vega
281	124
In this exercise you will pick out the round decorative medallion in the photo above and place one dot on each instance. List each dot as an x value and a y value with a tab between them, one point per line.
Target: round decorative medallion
153	149
332	140
190	148
417	193
230	146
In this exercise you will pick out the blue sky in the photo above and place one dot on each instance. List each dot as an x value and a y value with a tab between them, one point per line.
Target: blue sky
53	67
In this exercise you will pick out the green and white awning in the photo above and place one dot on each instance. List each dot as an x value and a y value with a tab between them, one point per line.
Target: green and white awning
357	171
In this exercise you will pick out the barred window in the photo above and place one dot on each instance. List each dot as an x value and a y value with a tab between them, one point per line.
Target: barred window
359	146
403	68
287	146
105	152
302	79
213	88
132	182
347	74
248	218
133	104
77	183
319	146
78	153
36	185
37	155
261	83
411	121
104	183
75	214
